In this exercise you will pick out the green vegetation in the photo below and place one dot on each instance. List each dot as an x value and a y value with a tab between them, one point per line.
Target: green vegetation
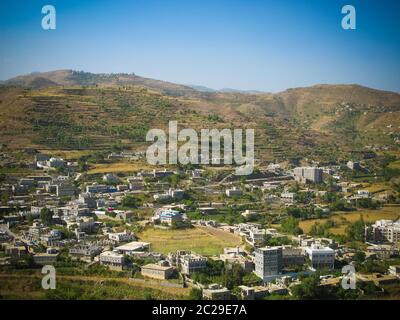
46	215
291	225
205	241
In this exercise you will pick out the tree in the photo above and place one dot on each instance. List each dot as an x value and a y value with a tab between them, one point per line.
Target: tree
5	197
46	215
130	202
359	257
308	289
356	231
291	225
195	294
30	219
233	276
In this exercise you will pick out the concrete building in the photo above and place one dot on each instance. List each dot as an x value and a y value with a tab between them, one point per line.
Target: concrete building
308	174
234	192
65	190
45	258
246	293
15	252
353	165
292	256
216	292
110	178
112	259
170	216
320	257
118	237
394	270
157	271
85	251
288	196
268	263
384	231
256	237
98	188
133	247
37	230
191	263
176	194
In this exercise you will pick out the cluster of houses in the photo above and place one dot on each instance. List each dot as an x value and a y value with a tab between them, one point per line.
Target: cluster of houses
80	209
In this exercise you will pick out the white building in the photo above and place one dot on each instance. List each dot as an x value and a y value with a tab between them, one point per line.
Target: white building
353	165
191	263
385	231
176	193
112	259
110	178
65	189
256	236
133	247
305	174
97	188
118	237
234	192
320	257
288	196
268	263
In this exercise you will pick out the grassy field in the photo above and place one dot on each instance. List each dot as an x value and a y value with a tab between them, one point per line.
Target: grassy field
21	286
119	167
67	154
395	165
202	240
343	219
377	187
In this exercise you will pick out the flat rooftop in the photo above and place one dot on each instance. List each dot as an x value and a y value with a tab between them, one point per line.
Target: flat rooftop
154	266
133	246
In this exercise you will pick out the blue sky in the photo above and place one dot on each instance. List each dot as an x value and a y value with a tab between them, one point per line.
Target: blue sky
244	44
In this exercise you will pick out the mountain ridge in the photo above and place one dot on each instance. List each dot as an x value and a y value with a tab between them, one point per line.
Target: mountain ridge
77	110
64	77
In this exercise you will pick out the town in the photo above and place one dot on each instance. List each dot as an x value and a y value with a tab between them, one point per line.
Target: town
200	232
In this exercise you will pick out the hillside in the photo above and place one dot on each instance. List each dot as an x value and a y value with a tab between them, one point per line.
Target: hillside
80	78
76	110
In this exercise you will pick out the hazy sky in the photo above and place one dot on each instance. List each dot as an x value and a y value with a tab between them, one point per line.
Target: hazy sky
261	45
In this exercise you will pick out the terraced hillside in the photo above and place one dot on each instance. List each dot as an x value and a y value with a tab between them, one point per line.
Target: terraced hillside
75	110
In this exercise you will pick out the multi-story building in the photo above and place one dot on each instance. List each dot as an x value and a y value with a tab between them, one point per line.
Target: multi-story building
85	251
234	192
45	258
216	292
36	230
112	259
65	190
98	188
288	196
384	231
110	178
170	216
157	271
121	236
320	257
256	237
176	193
191	263
305	174
87	199
268	262
292	256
